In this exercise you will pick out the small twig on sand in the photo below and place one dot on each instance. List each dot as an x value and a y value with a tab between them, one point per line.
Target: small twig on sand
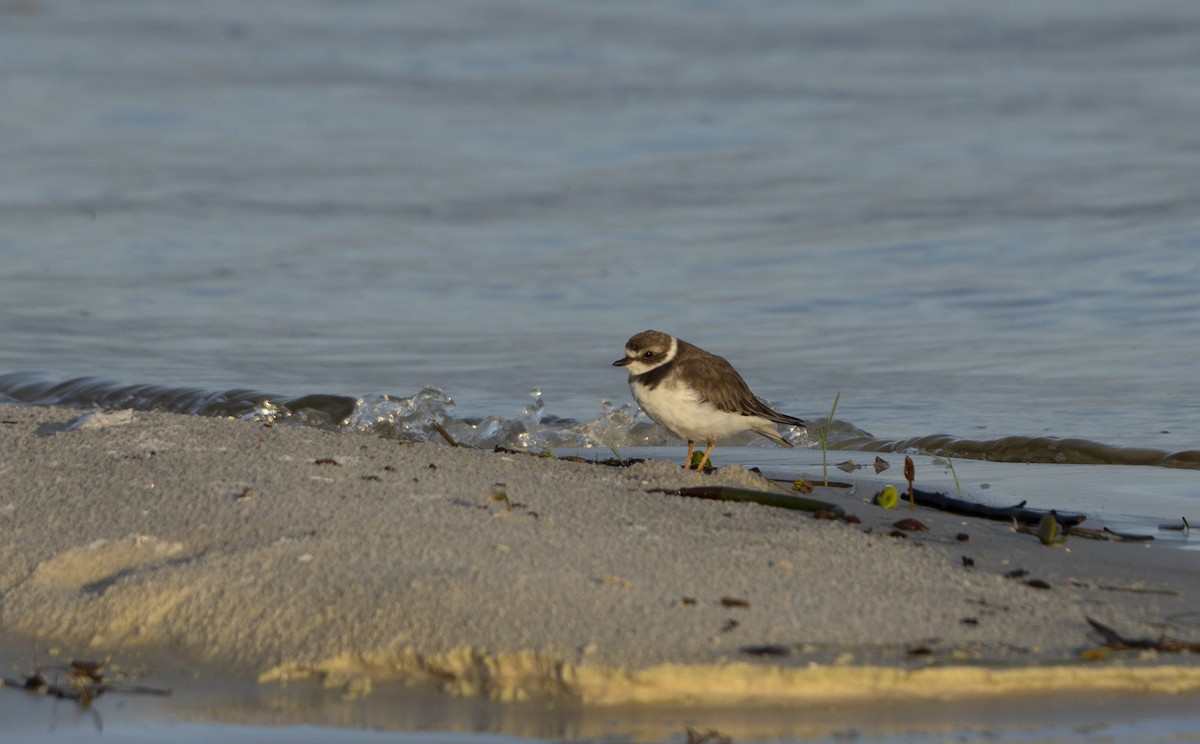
445	434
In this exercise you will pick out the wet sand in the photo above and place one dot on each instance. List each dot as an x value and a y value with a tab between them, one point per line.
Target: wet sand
280	553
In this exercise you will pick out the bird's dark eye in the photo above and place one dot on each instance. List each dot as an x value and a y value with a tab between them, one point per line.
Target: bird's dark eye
647	354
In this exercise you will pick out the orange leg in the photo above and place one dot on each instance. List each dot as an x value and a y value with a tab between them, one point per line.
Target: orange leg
707	452
687	464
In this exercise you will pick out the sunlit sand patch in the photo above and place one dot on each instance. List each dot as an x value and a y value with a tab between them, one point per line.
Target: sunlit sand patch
529	676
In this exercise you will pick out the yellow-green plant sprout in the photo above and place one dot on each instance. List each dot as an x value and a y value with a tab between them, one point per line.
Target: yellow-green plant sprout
944	459
823	436
953	472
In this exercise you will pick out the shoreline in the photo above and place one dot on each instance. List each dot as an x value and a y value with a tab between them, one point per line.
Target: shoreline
207	705
278	553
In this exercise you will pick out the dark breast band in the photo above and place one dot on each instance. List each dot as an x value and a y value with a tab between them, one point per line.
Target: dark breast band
654	377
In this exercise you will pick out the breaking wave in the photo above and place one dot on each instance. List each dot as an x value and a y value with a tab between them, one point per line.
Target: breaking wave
420	416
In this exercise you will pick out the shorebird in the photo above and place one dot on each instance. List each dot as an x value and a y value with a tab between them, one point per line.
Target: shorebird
694	394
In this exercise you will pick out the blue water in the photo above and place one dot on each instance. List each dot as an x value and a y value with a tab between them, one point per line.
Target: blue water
978	221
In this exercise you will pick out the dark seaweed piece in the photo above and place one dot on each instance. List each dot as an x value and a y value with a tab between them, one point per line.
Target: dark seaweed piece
1023	515
766	498
766	649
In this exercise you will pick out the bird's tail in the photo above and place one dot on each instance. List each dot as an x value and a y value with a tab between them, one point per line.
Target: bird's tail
783	418
770	432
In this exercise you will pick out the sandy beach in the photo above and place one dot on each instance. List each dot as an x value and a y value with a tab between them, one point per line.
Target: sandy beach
278	553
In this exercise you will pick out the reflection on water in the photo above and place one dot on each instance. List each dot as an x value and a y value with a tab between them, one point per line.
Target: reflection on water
204	709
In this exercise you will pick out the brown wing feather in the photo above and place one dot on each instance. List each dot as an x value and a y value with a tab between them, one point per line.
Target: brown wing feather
720	384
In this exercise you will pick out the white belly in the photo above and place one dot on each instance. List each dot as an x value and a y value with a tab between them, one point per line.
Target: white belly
679	410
